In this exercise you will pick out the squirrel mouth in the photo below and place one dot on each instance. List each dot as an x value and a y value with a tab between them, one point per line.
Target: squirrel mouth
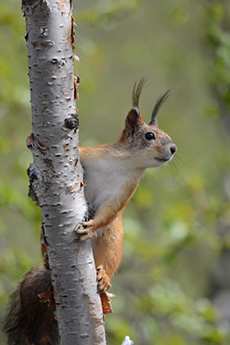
162	160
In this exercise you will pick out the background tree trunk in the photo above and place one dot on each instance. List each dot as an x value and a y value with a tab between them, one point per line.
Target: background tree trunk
56	175
217	37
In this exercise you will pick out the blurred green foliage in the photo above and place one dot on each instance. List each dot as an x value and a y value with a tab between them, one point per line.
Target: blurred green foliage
177	225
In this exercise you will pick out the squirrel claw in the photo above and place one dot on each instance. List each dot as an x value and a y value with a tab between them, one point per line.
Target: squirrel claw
88	236
103	280
89	223
83	231
85	234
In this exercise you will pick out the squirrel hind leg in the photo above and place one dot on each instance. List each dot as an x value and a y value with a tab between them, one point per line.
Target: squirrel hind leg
103	280
107	247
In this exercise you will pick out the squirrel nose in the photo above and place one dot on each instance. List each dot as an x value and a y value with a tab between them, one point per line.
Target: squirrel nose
173	149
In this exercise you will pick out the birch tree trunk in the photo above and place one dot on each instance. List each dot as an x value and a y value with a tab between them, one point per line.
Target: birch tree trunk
56	175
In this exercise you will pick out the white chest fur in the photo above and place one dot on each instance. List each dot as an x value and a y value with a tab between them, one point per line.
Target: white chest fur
104	180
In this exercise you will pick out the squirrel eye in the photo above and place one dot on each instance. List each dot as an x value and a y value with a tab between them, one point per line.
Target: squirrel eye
150	136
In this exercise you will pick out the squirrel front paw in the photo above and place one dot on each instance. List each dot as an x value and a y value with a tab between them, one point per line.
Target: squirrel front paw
87	233
103	280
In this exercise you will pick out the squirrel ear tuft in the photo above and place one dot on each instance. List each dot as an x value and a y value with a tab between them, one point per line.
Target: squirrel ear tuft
158	104
133	118
137	88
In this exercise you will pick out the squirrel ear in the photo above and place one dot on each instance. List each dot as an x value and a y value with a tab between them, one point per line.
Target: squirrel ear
133	119
158	104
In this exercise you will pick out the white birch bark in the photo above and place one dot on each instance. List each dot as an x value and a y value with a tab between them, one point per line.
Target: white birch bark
56	175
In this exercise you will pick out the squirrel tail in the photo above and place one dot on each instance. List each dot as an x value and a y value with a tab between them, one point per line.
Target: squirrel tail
30	322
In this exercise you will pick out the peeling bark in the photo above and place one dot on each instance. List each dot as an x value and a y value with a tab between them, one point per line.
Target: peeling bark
56	175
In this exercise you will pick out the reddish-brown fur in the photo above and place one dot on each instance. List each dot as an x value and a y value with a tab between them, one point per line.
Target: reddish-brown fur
107	249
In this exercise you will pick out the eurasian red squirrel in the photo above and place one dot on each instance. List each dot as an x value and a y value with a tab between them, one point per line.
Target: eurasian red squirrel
112	173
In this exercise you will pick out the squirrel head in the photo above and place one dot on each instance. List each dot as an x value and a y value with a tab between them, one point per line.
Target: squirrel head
147	145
